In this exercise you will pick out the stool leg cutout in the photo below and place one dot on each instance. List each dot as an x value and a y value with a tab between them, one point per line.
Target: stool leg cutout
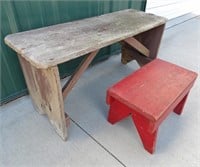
179	108
148	138
117	112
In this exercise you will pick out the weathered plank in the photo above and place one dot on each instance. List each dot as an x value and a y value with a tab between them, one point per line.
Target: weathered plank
45	90
49	46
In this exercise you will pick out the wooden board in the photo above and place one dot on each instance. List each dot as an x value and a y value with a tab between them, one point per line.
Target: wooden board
49	46
45	90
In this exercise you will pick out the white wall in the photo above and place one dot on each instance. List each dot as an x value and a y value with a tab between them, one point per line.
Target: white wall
172	8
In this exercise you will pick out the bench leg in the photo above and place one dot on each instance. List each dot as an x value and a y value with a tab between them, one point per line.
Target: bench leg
117	112
45	90
179	108
148	138
150	39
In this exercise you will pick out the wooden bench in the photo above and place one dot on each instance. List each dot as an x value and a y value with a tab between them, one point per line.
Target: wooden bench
149	95
40	51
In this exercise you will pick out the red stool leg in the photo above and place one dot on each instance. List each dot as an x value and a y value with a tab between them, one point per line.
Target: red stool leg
179	108
117	112
148	138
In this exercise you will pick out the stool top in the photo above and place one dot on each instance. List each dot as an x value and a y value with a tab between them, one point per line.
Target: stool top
153	89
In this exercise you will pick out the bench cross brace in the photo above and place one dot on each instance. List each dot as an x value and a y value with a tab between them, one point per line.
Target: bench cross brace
137	45
77	74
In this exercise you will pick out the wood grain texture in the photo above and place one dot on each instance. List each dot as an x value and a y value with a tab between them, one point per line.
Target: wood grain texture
49	46
45	90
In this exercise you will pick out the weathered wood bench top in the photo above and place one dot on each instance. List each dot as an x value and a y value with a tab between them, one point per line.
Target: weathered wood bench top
49	46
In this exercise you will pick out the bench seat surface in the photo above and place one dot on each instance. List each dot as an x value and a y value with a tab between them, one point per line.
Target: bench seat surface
152	89
49	46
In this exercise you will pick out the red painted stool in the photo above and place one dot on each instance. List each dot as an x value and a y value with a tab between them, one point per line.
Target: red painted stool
149	95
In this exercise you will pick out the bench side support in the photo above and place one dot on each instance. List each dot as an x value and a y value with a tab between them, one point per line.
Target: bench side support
150	39
45	90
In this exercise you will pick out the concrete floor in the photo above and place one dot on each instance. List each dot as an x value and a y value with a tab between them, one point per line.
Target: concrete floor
27	138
